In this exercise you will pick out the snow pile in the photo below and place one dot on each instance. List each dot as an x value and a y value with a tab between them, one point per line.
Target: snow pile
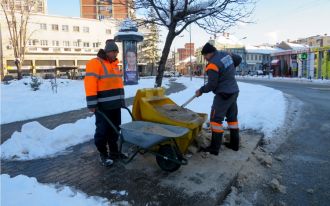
35	141
31	192
19	102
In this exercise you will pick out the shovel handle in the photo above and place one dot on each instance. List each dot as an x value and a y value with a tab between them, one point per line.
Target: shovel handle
188	101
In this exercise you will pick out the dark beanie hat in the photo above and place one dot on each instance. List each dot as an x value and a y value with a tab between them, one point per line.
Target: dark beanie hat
110	45
208	48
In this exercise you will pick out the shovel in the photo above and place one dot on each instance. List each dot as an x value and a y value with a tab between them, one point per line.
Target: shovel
188	101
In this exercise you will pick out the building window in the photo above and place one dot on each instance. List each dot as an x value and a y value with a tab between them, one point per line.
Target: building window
86	44
56	43
95	44
44	43
86	29
259	57
76	28
109	9
108	31
43	26
65	28
75	43
102	8
55	27
66	43
101	17
32	42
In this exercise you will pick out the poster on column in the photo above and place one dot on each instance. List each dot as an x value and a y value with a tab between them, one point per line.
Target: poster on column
130	63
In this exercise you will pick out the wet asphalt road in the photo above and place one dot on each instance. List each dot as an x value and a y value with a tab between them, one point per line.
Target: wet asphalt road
306	152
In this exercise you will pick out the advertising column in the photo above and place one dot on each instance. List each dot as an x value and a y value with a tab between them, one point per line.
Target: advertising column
128	34
130	62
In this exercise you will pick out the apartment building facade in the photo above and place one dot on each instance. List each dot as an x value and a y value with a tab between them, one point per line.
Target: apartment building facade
105	9
57	42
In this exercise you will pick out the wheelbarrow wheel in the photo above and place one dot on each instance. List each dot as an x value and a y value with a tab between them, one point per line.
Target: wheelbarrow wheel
166	151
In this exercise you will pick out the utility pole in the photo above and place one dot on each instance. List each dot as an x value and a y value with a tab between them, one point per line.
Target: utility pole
190	52
1	56
174	59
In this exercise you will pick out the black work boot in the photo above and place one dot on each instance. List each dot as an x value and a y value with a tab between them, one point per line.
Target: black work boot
105	160
234	140
215	144
115	154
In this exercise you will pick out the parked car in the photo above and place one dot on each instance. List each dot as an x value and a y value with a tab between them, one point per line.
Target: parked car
176	74
168	74
7	78
260	72
49	76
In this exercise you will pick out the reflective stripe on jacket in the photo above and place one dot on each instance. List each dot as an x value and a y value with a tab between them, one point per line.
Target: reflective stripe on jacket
221	73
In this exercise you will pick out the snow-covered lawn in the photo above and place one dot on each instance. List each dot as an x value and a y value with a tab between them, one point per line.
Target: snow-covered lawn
23	190
19	102
260	108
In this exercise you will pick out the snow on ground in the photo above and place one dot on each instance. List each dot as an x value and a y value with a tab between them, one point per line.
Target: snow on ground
31	192
19	102
35	141
260	108
287	79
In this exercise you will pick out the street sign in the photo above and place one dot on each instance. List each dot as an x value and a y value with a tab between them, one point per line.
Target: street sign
303	56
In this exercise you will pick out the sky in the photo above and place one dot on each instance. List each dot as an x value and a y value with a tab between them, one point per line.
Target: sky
273	21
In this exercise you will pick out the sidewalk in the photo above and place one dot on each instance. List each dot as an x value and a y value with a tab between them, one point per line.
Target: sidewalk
204	181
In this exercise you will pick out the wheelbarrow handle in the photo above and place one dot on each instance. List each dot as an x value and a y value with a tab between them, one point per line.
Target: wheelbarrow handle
110	122
129	111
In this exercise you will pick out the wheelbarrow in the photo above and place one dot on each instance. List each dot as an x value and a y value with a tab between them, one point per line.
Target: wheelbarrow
155	138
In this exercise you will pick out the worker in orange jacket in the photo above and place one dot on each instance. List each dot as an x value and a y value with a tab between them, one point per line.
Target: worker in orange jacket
105	92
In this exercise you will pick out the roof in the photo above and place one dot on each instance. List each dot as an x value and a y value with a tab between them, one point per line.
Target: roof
262	49
297	46
292	46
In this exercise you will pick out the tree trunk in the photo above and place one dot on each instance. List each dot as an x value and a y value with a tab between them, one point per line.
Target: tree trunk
19	71
161	67
152	69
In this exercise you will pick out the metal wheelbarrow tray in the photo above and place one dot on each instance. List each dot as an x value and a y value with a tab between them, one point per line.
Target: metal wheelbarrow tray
157	139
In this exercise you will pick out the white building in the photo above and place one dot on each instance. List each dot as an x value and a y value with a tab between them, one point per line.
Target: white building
259	57
57	42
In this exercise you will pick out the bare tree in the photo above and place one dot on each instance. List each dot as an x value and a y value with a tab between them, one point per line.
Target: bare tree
213	16
17	15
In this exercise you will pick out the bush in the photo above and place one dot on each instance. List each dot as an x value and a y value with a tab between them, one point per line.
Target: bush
7	79
35	83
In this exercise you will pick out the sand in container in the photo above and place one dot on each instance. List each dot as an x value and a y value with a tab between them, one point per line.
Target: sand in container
177	113
155	129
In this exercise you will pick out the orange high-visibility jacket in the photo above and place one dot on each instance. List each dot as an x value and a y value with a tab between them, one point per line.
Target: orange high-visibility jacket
103	84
